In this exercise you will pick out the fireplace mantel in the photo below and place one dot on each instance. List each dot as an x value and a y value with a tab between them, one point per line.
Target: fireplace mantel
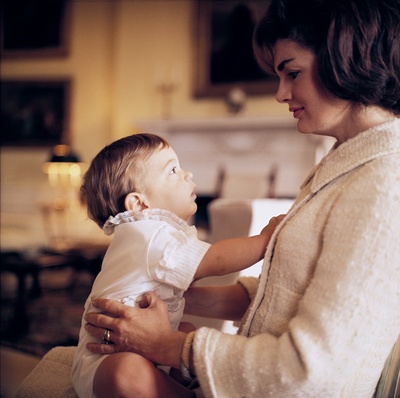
220	124
240	145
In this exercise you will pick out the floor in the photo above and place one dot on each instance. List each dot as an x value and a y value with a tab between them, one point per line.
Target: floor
14	366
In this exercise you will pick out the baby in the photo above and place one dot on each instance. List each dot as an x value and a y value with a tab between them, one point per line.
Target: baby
136	189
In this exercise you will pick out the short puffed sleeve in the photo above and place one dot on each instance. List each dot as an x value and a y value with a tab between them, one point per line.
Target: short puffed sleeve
174	255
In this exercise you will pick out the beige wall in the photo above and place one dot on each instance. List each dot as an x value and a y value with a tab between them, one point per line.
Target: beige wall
119	51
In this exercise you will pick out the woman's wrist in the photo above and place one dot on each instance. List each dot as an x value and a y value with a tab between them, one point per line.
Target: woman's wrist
186	357
173	350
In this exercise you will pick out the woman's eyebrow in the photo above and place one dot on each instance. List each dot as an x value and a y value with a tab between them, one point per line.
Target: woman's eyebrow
283	63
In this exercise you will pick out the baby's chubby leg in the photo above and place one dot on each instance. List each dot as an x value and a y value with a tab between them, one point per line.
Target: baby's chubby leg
130	375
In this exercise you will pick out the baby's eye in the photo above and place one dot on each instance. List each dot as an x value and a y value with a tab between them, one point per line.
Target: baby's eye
173	170
293	75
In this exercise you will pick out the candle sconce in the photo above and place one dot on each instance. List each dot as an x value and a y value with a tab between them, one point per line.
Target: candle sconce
167	90
167	79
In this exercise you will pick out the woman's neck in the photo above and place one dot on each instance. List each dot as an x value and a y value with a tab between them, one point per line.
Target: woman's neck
363	118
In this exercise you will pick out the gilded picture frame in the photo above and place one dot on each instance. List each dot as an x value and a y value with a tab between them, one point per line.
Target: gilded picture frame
35	112
224	54
35	29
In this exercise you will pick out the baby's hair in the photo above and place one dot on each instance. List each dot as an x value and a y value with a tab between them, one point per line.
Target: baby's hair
114	173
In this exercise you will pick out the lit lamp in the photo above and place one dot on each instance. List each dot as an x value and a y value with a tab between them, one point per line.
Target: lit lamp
64	170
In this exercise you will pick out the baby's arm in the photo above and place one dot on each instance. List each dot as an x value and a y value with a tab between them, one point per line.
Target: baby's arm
236	254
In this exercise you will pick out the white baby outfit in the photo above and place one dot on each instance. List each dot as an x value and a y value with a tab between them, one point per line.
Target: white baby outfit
153	250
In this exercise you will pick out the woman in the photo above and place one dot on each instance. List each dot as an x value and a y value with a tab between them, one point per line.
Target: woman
324	313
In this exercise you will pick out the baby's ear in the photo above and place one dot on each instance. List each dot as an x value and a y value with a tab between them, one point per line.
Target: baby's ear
134	201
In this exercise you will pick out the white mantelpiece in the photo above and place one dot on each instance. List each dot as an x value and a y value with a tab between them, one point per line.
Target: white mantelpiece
222	124
242	146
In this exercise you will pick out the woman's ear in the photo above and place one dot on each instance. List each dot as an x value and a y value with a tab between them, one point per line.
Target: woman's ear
135	201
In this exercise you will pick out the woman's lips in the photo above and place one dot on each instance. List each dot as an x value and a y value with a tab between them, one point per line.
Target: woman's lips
296	111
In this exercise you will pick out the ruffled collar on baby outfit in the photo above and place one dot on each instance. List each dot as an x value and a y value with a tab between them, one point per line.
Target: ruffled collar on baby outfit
147	214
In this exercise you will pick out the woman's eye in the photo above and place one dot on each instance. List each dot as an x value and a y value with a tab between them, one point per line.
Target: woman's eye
293	75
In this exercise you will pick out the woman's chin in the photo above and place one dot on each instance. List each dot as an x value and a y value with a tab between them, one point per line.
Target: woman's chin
303	128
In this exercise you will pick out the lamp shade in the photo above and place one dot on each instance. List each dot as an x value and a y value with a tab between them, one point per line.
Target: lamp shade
64	168
63	154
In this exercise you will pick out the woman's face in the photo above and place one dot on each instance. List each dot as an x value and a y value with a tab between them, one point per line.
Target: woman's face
317	111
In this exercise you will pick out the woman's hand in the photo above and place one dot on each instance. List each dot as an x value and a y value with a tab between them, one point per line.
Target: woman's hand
146	331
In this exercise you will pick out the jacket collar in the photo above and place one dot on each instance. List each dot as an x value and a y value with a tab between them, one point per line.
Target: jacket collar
373	143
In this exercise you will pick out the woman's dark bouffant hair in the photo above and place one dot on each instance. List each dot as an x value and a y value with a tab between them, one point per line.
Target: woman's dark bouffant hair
357	43
110	176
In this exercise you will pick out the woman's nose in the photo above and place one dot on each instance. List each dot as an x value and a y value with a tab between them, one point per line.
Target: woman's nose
283	93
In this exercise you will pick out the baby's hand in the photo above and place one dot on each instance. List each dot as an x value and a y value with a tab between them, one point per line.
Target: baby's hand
269	229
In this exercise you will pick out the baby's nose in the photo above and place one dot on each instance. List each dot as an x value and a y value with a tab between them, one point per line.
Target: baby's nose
189	175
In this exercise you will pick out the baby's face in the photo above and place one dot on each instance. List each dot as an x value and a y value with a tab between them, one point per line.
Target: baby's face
167	185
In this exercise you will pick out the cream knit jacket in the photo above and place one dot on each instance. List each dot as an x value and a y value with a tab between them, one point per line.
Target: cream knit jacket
327	309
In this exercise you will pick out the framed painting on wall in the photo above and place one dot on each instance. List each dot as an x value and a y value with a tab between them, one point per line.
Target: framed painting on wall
225	58
38	28
35	112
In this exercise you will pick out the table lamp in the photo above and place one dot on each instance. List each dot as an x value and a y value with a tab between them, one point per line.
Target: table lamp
64	170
